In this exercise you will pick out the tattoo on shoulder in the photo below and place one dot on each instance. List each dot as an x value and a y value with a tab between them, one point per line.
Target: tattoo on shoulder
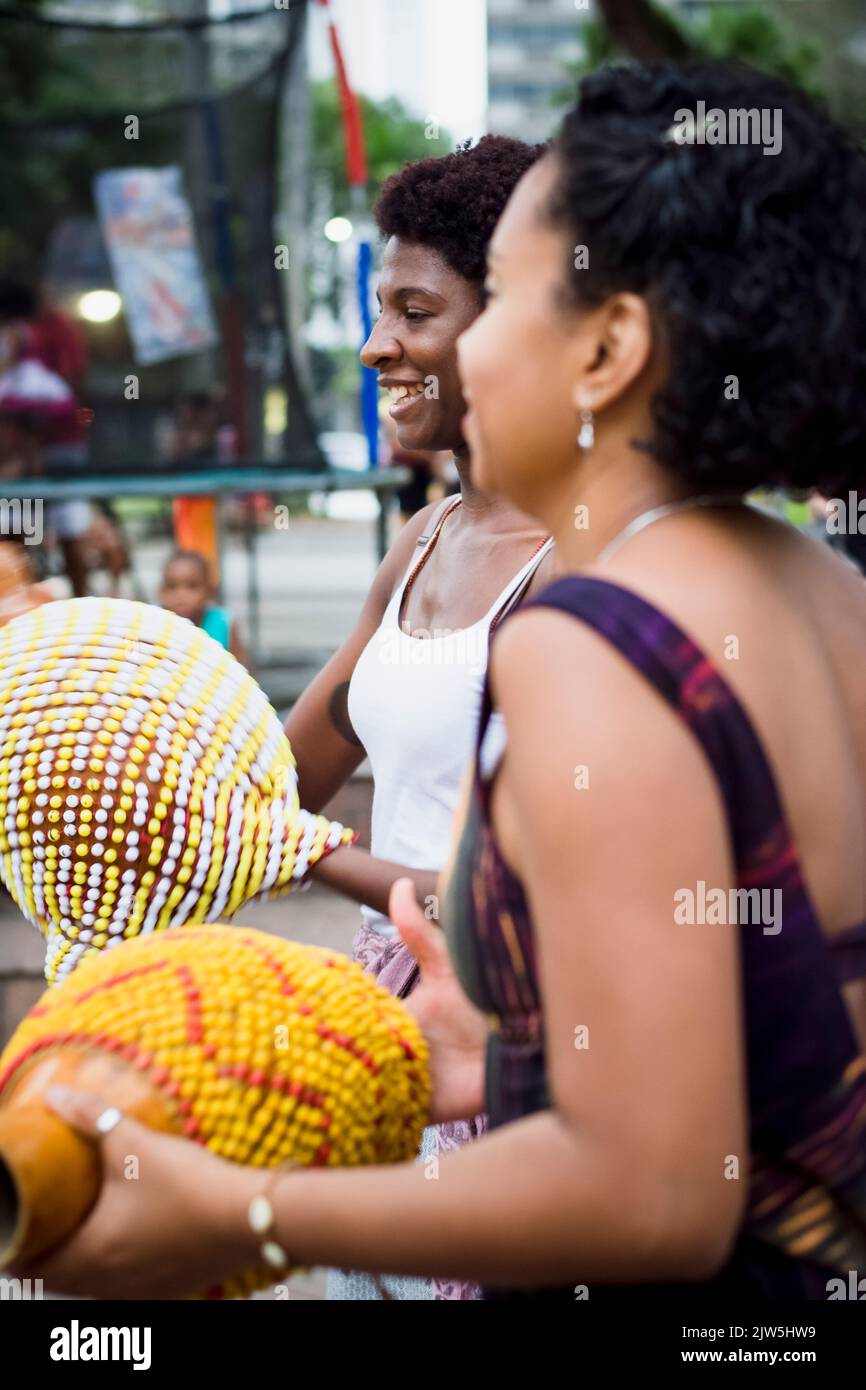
338	710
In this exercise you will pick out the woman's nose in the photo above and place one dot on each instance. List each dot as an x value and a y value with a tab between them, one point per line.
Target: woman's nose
381	347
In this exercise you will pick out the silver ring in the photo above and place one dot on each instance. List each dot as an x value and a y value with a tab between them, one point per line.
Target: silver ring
109	1119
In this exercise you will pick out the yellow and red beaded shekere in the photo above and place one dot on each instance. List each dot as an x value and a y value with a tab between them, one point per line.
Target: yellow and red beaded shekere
268	1051
145	780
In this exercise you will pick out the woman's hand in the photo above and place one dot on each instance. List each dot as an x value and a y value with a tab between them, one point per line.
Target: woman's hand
455	1030
170	1219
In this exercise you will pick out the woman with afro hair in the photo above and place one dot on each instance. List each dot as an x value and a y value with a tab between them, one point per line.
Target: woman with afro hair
405	688
656	908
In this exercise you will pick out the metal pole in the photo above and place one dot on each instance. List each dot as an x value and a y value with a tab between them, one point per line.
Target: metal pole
254	615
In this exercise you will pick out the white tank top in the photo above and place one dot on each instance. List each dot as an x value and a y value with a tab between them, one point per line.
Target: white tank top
414	703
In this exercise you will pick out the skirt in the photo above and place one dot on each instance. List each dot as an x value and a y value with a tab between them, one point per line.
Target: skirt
394	967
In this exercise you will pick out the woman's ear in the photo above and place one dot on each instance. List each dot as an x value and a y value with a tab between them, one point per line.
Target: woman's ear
622	332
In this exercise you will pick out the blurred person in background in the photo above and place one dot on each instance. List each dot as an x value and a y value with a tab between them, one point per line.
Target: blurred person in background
196	426
201	433
19	591
187	589
45	350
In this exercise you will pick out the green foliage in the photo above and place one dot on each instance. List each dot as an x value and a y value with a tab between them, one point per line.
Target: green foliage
756	38
747	34
599	49
393	137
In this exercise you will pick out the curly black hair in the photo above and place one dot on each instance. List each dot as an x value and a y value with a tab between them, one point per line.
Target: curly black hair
452	203
753	265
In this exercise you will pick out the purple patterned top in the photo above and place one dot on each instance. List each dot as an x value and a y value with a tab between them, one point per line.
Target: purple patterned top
806	1215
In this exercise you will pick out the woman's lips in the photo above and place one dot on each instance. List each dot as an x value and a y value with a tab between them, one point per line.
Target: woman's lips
404	400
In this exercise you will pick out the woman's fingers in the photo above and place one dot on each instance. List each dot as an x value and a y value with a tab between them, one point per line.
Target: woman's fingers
95	1118
83	1111
421	936
402	903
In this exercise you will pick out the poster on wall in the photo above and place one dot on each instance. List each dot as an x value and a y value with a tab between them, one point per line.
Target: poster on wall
149	233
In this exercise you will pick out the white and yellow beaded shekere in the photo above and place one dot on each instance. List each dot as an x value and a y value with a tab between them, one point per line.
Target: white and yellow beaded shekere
145	780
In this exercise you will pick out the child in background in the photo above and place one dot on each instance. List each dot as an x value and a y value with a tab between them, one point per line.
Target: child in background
18	591
187	590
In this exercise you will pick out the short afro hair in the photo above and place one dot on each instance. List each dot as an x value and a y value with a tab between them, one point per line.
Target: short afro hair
452	203
753	266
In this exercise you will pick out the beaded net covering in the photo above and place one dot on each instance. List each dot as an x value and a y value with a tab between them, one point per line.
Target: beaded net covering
145	780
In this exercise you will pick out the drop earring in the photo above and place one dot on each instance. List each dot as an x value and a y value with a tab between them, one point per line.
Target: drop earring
586	438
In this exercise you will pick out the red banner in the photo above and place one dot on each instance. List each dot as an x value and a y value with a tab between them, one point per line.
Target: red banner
353	128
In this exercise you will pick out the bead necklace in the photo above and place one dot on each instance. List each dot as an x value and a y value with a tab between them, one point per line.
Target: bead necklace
430	548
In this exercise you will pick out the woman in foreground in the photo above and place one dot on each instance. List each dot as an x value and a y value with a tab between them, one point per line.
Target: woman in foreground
677	1099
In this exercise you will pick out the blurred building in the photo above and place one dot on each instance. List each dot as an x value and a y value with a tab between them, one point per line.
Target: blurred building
529	46
429	54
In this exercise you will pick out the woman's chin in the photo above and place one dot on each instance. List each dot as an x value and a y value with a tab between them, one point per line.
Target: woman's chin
414	438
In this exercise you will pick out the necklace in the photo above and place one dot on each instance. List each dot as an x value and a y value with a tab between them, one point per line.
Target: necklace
429	551
640	523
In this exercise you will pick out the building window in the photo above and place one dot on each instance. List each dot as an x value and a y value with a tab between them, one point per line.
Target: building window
520	91
501	31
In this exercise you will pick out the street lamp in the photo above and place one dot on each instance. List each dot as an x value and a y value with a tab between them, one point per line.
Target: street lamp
338	229
99	306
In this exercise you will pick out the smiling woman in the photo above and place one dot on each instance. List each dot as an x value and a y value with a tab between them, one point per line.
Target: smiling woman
437	217
406	687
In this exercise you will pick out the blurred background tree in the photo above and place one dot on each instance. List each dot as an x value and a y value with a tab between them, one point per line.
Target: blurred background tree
392	135
821	48
643	31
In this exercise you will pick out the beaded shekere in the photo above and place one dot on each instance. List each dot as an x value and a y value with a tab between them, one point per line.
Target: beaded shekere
145	780
266	1051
